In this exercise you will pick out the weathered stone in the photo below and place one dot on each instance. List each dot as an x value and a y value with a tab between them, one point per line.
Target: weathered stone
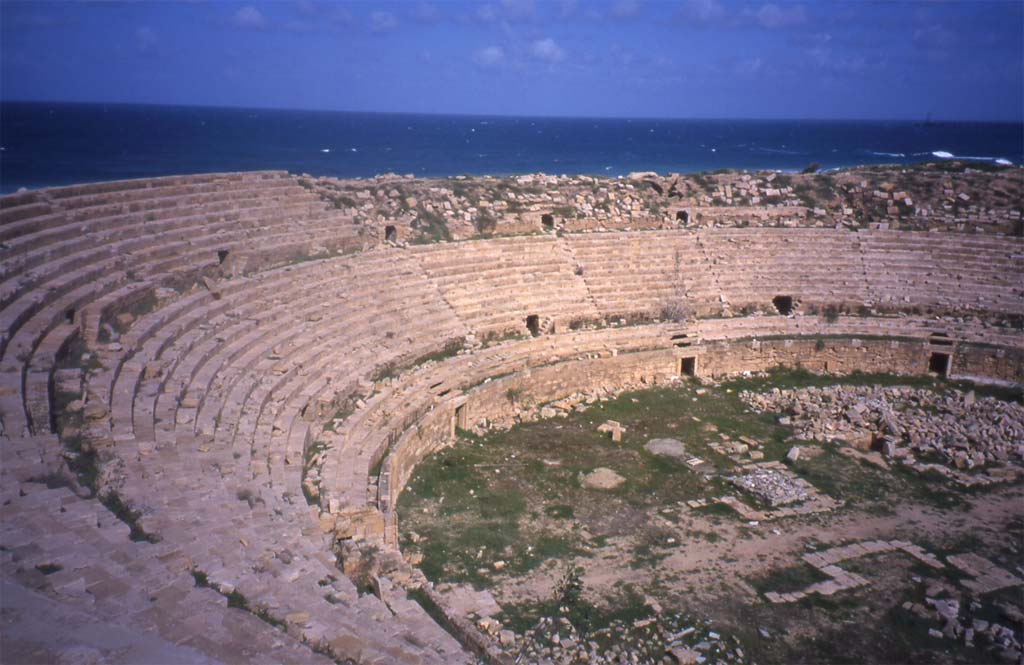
666	448
601	479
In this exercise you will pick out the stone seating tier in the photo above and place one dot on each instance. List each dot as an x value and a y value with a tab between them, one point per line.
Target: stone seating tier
217	392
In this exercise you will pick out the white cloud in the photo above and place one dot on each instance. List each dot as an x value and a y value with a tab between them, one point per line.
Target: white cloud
547	49
566	8
145	38
383	21
749	67
486	13
341	16
934	37
624	8
703	11
518	10
773	16
426	12
489	57
249	17
298	26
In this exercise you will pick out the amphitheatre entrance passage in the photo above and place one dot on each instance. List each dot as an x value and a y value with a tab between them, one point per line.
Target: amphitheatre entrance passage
680	535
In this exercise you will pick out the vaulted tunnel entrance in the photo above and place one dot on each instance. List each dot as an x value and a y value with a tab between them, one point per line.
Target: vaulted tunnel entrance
687	367
533	324
938	363
783	304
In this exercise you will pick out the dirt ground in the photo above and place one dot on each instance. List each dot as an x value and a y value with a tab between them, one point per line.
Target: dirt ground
507	513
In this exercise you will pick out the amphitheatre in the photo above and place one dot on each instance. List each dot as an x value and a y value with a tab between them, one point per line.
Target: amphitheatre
719	417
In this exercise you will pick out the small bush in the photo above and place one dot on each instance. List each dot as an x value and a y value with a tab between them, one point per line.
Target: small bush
49	568
200	578
237	600
813	167
676	310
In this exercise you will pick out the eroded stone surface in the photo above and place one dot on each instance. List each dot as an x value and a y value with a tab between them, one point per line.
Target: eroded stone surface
601	478
667	448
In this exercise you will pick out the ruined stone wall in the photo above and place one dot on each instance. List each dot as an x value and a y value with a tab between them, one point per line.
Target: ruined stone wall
840	356
950	196
846	355
433	432
517	397
636	222
506	400
992	362
502	401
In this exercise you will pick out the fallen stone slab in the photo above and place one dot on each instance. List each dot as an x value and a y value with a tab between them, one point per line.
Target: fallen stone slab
601	478
666	448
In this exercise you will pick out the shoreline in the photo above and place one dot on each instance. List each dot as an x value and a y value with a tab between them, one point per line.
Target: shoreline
976	163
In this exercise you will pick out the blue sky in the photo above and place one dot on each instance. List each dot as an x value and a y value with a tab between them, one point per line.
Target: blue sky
619	58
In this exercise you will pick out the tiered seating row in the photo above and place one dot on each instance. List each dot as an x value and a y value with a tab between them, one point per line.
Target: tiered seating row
494	285
231	388
960	272
626	272
215	395
264	211
58	548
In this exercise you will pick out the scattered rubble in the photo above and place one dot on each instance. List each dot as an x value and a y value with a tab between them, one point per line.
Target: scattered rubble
614	428
916	426
662	638
919	197
772	486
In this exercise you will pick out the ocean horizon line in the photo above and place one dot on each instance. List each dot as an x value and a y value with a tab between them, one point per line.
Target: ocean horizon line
47	143
928	119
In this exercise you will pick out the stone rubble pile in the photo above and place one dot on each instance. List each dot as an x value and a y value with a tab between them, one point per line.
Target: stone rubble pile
960	619
576	402
959	429
880	198
773	487
663	638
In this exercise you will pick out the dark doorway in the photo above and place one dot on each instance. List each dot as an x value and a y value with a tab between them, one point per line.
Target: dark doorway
939	364
687	366
533	324
222	256
390	234
681	339
460	416
548	221
69	315
683	216
783	304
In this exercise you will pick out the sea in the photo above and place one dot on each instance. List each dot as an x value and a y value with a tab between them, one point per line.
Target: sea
47	144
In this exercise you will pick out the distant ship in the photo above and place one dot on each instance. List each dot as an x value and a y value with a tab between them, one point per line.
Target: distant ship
928	122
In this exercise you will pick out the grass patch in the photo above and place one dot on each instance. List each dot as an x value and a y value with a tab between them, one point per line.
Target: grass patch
237	600
514	496
49	568
121	511
788	580
559	511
